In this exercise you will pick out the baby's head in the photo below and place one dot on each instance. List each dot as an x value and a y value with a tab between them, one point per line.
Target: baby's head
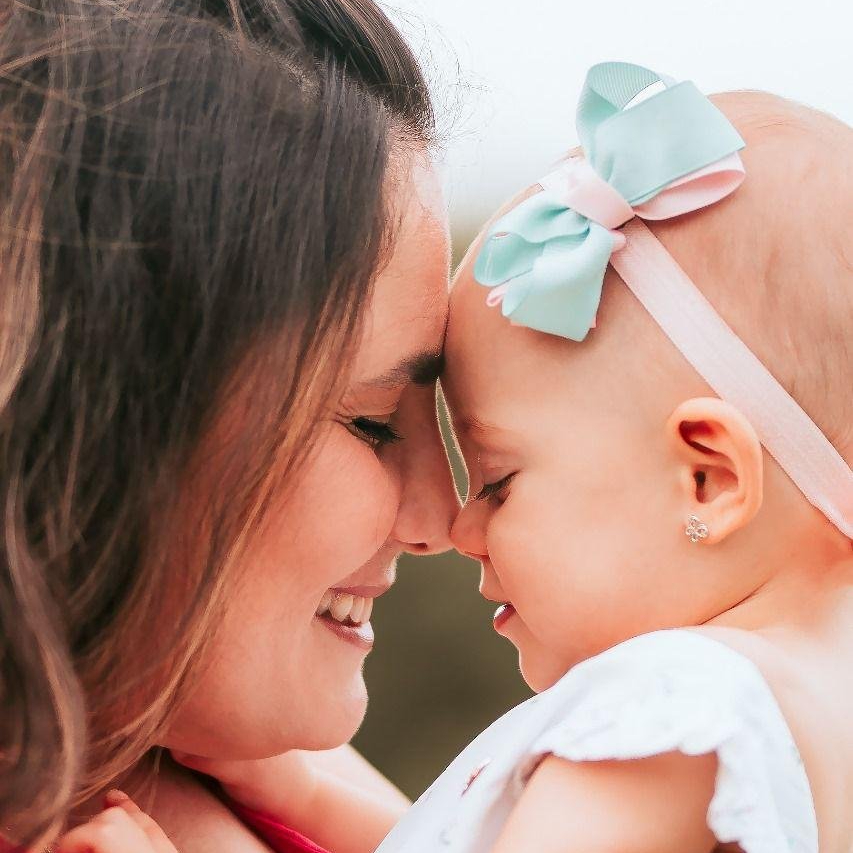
587	460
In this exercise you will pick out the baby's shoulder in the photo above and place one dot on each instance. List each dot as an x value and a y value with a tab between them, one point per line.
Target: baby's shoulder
655	707
690	693
809	678
684	688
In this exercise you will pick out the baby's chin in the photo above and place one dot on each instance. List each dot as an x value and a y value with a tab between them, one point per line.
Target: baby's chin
541	669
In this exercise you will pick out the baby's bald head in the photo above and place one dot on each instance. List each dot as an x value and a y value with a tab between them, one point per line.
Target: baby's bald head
776	257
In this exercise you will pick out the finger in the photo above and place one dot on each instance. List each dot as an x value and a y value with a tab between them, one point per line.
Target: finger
155	835
115	798
112	831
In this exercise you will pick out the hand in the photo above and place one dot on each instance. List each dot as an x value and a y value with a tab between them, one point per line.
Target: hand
121	828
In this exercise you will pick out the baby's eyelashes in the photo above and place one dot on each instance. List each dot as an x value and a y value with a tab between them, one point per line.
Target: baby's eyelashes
493	489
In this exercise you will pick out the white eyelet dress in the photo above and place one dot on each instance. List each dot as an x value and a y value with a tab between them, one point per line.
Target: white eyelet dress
657	693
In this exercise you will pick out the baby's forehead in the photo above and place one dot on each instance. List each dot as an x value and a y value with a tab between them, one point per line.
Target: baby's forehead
477	333
474	335
490	363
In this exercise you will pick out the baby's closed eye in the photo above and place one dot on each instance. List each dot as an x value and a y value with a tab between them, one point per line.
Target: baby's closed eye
494	489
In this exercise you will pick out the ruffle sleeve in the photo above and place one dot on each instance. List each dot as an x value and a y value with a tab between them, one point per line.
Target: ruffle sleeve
682	691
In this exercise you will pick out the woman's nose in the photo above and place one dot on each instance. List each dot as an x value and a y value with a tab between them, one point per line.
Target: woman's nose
428	502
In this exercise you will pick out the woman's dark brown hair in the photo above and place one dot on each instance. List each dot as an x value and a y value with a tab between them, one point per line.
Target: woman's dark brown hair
193	200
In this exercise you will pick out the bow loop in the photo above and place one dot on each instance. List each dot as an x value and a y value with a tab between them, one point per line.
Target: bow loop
669	154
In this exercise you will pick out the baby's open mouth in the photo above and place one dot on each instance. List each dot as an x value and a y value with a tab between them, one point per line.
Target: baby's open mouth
505	612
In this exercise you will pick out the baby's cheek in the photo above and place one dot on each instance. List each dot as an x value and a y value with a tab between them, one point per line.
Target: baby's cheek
522	546
533	552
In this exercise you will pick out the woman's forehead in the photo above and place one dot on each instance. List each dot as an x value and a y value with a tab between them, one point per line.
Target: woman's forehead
407	316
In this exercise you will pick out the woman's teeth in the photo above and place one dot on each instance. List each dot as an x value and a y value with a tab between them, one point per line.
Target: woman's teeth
343	607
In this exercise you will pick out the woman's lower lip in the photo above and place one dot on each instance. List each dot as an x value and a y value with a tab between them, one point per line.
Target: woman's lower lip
502	615
358	635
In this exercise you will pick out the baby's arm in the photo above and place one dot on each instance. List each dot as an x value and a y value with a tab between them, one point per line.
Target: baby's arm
334	797
653	805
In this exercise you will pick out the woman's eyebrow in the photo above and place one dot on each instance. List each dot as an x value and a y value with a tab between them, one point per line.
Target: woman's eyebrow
424	368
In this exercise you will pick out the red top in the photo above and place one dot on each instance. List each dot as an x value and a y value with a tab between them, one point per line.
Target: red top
281	838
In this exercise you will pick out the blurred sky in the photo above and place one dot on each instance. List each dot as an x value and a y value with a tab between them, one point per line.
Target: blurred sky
507	74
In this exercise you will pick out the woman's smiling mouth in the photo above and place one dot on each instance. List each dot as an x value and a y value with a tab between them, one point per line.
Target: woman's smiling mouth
347	612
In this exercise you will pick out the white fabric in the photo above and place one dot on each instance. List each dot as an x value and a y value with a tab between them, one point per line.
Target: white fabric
660	692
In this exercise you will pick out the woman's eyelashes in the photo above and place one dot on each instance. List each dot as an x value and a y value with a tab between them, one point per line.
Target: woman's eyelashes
375	433
494	490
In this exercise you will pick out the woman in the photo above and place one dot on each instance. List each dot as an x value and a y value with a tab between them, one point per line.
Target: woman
225	261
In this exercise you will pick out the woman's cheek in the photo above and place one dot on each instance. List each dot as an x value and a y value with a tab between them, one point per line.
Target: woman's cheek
344	509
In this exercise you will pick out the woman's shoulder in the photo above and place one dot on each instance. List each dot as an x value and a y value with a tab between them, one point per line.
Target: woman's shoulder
196	820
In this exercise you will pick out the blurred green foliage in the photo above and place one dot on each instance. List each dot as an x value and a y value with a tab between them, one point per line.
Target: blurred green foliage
439	673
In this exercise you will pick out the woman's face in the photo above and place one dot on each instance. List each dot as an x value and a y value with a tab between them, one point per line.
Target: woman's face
278	676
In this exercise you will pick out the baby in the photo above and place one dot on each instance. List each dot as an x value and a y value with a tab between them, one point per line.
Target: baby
634	469
666	531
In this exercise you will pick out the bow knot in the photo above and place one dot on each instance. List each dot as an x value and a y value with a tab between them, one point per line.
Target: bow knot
578	186
669	154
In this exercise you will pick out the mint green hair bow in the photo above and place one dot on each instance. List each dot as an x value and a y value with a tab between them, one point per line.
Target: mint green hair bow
669	154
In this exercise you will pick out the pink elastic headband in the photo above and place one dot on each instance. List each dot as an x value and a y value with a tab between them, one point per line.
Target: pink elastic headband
735	373
670	153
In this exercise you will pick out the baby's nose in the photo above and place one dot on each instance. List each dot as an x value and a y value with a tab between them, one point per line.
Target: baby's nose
468	531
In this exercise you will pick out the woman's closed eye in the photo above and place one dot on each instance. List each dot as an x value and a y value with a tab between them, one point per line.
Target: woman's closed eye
494	490
375	433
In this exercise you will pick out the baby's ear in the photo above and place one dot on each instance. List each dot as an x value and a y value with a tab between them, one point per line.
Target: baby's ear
721	465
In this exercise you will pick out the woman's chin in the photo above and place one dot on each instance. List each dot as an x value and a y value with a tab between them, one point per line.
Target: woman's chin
321	713
340	729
